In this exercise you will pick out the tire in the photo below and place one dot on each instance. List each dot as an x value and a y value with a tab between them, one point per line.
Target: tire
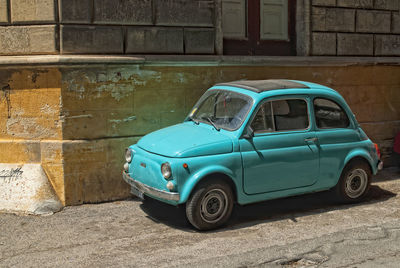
210	205
354	182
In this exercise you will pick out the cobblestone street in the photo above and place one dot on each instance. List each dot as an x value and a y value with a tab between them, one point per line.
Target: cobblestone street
309	230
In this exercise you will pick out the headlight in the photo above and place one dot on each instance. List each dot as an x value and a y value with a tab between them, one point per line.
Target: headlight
128	155
126	167
166	170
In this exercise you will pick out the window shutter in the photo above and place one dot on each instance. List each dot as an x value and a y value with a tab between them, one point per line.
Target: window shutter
234	19
274	20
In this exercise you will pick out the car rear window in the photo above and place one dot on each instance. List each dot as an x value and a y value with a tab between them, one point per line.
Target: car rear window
329	114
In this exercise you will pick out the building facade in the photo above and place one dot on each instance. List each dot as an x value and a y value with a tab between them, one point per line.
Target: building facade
82	79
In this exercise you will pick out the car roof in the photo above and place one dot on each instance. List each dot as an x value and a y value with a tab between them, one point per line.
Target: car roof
267	85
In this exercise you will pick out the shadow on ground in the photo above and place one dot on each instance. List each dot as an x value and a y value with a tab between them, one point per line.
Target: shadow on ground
387	174
268	211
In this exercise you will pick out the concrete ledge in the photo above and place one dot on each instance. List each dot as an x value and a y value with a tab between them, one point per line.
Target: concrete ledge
66	60
193	60
25	188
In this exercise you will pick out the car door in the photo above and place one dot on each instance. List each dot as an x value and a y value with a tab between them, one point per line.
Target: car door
283	152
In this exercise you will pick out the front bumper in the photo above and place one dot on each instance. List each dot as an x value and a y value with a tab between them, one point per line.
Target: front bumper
380	165
143	188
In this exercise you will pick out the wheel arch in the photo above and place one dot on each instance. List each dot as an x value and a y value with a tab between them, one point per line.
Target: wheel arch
358	155
207	174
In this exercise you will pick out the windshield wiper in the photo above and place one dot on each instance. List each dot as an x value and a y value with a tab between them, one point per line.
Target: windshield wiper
211	122
192	119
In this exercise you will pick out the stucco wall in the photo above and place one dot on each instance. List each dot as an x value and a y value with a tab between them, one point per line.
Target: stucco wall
77	120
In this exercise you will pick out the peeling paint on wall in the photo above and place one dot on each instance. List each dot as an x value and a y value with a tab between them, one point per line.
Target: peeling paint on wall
28	128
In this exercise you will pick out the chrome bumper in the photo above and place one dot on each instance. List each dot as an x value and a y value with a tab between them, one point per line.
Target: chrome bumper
143	188
380	165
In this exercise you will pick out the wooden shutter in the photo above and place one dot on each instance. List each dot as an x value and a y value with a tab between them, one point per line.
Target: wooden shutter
274	20
234	19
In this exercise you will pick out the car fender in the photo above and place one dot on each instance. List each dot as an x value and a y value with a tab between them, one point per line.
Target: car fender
194	179
359	153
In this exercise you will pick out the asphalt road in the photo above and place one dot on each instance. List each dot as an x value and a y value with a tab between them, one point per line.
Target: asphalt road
307	231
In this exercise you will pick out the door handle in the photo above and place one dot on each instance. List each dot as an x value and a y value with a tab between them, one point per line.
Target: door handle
311	139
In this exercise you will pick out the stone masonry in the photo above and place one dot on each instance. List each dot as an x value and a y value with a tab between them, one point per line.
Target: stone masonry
355	28
334	27
107	27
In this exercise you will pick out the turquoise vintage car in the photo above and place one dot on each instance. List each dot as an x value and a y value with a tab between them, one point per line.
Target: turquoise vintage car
250	141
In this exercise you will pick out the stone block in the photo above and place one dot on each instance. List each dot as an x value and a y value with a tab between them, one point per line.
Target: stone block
91	39
93	170
396	23
355	3
380	131
184	12
199	41
33	11
154	40
19	151
372	21
387	4
324	2
355	44
387	45
3	11
17	40
318	19
84	125
26	188
137	12
333	19
75	11
323	44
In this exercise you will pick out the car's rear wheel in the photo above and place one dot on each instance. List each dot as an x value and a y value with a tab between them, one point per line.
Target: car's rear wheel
210	205
354	182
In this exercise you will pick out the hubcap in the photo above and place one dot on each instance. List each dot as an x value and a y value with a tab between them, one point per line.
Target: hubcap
214	205
356	183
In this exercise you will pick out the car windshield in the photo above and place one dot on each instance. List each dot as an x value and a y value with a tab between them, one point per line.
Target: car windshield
222	109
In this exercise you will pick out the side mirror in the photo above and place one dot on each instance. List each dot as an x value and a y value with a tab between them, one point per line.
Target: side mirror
248	133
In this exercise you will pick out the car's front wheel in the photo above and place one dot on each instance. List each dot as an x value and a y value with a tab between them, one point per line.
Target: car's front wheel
354	182
210	205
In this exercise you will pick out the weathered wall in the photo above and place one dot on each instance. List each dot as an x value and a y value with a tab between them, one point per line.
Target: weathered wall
30	123
355	27
108	108
77	120
106	27
324	27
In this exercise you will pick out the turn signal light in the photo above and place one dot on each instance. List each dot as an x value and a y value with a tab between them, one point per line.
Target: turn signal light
185	165
377	150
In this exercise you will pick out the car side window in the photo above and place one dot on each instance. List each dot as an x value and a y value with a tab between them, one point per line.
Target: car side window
281	115
328	114
262	122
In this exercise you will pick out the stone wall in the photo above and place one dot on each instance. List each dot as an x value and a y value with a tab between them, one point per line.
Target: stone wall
107	27
77	119
324	27
355	27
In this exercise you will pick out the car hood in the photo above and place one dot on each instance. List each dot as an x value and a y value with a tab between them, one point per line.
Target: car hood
186	140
